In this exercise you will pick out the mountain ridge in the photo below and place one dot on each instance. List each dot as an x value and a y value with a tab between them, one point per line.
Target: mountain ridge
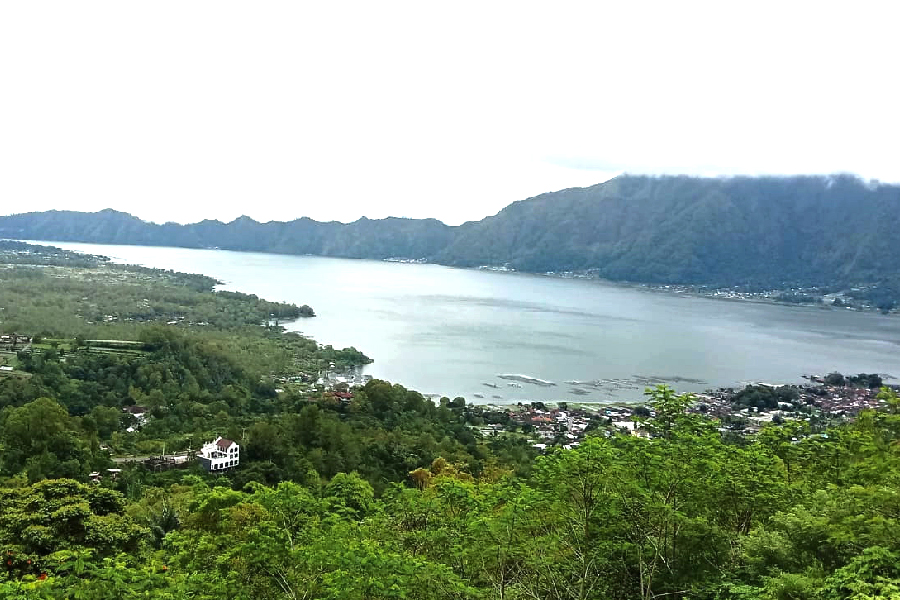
724	231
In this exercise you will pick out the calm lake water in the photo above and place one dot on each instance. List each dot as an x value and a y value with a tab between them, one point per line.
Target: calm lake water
454	332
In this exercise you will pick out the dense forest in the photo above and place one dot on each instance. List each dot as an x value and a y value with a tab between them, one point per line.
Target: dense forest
682	515
378	492
775	232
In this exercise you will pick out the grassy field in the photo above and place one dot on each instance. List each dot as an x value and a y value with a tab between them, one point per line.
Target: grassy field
64	345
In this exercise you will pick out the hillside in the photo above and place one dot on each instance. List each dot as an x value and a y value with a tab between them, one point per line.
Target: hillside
769	231
724	231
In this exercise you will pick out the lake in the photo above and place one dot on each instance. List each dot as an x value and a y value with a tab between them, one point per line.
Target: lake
455	332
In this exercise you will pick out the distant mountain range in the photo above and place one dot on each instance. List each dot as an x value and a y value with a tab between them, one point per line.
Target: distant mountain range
766	231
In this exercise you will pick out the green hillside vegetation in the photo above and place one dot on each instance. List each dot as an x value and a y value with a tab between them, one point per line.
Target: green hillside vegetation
388	495
762	232
727	231
684	515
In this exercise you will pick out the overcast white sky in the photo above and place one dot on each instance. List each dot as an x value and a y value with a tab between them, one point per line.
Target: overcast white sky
183	110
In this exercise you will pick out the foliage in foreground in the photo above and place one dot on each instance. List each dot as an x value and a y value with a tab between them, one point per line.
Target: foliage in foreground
681	515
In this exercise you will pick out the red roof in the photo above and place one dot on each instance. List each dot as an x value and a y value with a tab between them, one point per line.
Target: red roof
224	444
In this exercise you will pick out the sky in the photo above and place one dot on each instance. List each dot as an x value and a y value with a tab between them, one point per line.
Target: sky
184	110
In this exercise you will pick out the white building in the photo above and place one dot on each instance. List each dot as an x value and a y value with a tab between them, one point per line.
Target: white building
220	454
141	413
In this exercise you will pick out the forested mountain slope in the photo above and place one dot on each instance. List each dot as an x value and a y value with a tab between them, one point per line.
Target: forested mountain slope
688	230
769	231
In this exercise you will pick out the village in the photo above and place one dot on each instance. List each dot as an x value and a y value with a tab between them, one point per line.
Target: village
824	401
10	345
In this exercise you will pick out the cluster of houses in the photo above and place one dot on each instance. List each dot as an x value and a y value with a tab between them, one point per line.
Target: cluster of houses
841	400
812	399
549	426
847	299
565	428
12	341
330	379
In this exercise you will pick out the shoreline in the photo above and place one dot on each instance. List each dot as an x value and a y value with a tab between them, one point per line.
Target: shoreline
671	289
601	395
